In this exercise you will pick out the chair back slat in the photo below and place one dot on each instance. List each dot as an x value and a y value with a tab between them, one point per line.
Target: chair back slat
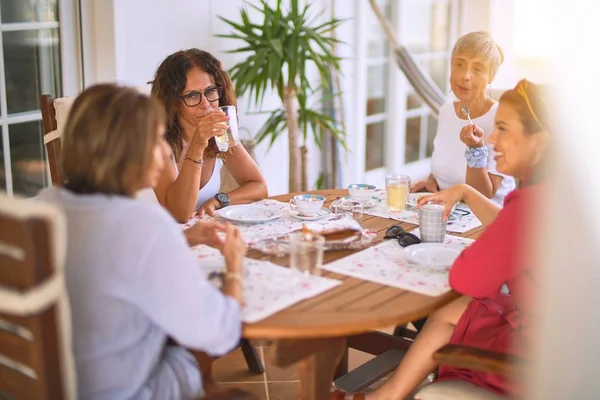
30	347
48	113
53	145
24	248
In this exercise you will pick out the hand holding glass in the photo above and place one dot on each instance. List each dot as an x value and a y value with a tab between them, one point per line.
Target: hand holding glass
231	136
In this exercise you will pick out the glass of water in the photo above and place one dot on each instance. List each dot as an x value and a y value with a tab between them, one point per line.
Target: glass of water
231	137
306	252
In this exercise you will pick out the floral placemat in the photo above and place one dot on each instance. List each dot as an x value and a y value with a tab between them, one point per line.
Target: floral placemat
386	264
457	223
268	288
285	224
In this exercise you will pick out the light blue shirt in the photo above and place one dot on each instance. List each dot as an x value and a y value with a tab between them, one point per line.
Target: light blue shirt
132	282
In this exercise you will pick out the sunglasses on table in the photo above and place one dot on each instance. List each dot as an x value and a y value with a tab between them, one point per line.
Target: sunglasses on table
404	238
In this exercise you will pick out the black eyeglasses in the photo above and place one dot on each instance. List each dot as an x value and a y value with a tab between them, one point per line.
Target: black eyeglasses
192	99
404	238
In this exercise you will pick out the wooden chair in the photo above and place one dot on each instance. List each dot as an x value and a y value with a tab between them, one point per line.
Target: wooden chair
53	120
468	358
36	361
51	138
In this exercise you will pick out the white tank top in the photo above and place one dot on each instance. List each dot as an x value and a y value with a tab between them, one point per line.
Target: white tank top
213	185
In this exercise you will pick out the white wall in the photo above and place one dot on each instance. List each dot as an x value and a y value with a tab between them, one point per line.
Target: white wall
496	17
126	40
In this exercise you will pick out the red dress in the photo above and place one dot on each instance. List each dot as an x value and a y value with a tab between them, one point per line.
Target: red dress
492	320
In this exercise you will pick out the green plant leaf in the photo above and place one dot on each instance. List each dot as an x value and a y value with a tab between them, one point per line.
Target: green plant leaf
284	44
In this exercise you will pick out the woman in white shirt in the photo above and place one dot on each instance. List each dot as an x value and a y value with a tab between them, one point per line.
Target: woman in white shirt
132	279
191	84
461	153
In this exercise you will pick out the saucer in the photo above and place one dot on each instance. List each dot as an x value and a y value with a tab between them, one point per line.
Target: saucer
348	201
322	213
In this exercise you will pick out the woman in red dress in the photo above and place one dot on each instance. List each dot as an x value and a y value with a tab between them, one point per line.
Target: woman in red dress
486	316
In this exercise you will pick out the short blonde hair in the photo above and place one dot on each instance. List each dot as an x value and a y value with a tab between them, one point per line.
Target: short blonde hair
108	140
480	43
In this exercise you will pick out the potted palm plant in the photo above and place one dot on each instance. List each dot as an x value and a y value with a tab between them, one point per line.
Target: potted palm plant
282	49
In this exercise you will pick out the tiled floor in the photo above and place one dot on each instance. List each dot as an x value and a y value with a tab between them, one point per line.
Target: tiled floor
275	383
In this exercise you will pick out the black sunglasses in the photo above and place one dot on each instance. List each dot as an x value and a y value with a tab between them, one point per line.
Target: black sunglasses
192	99
404	238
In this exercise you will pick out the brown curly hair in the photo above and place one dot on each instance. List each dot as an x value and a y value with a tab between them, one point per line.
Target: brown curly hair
170	81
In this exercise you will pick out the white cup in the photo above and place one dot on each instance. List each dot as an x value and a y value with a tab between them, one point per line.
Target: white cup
307	204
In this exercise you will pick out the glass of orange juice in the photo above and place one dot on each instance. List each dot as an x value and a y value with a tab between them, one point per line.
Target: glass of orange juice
397	187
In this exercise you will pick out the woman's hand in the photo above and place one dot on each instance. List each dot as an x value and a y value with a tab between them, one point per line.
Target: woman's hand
472	136
429	185
205	233
233	249
214	123
448	197
209	206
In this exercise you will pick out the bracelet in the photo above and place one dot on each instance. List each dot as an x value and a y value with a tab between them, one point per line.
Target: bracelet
236	277
477	157
199	162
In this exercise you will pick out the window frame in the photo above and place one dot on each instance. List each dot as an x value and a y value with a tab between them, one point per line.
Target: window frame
71	82
396	99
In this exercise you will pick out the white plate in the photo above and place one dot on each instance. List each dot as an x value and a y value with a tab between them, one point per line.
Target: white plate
249	213
297	214
433	254
369	203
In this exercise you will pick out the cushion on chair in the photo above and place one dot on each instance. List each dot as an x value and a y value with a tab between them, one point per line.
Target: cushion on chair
50	136
62	105
454	390
228	183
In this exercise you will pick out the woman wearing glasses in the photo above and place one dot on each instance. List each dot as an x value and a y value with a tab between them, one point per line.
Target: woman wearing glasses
192	84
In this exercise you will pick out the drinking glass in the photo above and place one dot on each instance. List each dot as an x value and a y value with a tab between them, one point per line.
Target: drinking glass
397	187
231	137
306	252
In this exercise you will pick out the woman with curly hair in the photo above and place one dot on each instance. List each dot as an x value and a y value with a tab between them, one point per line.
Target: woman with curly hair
192	85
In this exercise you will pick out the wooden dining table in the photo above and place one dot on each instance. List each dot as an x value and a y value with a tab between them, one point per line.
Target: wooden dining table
314	334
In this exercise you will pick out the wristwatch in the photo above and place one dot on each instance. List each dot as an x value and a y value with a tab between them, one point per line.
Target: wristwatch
222	198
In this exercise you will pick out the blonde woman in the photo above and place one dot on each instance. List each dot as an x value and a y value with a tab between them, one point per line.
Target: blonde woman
132	279
484	317
461	152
